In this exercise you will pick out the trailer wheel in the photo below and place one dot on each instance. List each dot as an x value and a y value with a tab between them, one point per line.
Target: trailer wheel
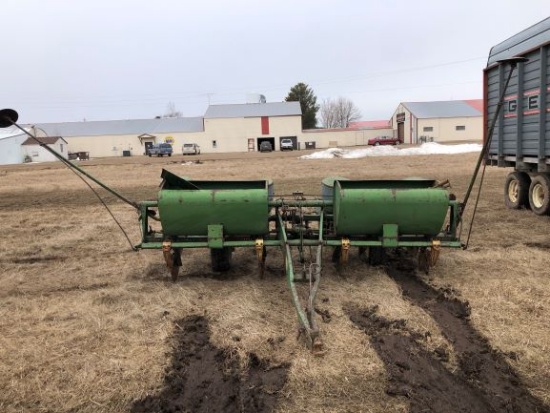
516	190
220	259
539	194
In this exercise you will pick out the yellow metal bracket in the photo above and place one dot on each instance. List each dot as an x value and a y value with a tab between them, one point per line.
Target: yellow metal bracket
434	252
427	257
172	257
259	247
260	254
345	251
167	253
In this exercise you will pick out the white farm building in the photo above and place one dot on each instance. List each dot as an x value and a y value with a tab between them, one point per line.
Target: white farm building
10	146
447	121
34	152
243	127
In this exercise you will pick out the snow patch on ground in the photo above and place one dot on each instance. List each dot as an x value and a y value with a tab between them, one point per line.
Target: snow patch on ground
430	148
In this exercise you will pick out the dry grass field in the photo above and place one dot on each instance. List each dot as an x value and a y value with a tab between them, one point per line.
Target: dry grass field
87	325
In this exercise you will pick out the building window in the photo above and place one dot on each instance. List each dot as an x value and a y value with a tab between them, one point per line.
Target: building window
428	129
61	147
460	127
214	144
34	154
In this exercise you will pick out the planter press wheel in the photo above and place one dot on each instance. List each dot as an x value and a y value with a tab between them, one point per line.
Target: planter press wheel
539	194
220	259
377	256
423	261
516	190
174	272
336	254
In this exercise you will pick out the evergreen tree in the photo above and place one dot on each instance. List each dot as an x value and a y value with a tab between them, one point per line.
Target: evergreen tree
308	103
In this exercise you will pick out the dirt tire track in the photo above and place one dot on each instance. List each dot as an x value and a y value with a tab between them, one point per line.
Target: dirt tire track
204	378
414	372
485	382
480	364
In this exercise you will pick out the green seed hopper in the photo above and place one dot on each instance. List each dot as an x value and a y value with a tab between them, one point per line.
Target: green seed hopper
413	206
371	215
189	208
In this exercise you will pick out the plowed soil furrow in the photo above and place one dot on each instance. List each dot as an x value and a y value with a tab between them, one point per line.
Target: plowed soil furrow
414	372
204	378
480	364
484	382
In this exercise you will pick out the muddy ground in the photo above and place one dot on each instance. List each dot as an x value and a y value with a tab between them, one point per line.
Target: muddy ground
484	380
204	378
88	325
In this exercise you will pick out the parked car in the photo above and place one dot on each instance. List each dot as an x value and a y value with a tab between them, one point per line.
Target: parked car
384	140
159	149
287	144
265	146
191	149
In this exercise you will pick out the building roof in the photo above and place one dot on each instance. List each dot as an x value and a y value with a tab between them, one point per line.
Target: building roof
49	140
522	42
477	104
369	124
250	110
123	127
445	109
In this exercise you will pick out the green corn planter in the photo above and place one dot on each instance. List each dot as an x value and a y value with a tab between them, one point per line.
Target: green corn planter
363	207
187	208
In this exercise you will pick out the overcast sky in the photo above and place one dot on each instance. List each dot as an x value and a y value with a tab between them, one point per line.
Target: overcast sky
69	60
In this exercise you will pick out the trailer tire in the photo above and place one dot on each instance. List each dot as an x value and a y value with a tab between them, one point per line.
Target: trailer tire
220	259
516	190
539	194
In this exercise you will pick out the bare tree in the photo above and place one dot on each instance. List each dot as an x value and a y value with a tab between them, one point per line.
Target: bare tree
338	113
327	113
171	111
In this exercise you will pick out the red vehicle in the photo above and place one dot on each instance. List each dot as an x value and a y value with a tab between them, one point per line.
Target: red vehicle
384	140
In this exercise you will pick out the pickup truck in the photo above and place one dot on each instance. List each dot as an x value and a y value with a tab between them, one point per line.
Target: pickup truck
160	149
